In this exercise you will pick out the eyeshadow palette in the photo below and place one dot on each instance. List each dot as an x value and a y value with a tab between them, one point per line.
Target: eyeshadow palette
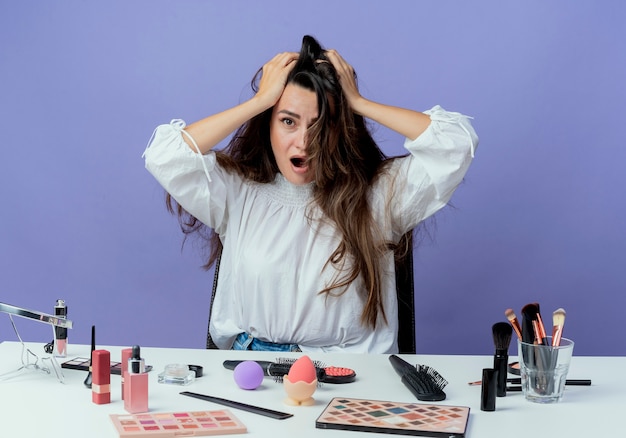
394	418
82	364
175	424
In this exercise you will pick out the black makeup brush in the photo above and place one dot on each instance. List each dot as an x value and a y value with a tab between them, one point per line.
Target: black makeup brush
502	333
87	381
533	330
537	357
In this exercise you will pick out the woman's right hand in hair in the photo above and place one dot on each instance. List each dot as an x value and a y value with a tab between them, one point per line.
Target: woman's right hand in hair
274	77
211	130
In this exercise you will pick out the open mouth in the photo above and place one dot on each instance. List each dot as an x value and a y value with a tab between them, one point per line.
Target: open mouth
298	162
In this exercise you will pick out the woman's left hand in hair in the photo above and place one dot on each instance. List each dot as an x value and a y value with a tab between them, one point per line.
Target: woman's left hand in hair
406	122
346	79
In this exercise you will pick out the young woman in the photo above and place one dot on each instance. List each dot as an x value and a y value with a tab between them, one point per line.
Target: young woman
303	205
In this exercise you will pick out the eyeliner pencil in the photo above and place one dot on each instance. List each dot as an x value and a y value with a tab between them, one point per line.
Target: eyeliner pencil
569	382
518	381
518	388
238	405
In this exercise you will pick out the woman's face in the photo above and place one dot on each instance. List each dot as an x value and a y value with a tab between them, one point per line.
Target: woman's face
293	114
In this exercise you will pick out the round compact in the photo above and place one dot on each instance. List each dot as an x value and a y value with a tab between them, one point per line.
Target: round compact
514	368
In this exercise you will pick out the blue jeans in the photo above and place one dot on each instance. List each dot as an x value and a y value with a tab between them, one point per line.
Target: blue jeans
244	341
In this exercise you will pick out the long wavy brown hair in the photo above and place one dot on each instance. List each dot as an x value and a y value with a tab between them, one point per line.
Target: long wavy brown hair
346	160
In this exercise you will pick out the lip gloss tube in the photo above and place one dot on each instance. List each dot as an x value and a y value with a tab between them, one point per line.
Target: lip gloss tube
136	384
60	333
101	377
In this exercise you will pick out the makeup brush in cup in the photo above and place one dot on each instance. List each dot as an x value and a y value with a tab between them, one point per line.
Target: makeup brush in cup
537	357
502	333
558	321
528	330
533	329
541	328
510	315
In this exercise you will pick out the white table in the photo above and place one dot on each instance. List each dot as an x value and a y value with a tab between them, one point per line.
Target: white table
35	404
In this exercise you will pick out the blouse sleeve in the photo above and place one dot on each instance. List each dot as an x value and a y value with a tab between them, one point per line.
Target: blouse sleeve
192	179
423	182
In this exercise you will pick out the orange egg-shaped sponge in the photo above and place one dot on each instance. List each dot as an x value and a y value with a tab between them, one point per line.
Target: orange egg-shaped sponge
302	370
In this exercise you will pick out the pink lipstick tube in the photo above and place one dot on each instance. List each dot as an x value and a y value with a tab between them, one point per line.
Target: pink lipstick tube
101	377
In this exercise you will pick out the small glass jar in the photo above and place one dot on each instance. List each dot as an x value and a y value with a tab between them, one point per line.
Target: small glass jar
177	374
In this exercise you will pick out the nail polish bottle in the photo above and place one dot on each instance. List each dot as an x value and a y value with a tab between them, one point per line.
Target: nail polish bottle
101	377
136	384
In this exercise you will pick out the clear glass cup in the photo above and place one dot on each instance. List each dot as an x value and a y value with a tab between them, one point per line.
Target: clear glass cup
544	370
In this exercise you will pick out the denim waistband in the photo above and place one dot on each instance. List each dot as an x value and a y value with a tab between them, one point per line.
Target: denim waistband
245	341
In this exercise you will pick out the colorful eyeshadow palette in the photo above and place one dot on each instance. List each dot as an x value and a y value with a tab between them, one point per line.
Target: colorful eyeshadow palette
176	424
82	364
394	418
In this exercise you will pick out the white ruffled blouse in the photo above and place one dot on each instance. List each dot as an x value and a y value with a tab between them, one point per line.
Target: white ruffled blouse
272	265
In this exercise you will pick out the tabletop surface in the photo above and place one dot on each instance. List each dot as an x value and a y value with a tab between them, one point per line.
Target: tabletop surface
36	404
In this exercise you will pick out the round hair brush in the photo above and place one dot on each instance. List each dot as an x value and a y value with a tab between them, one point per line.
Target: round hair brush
423	381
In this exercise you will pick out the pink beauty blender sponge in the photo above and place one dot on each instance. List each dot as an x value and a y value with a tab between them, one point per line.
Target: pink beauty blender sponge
302	369
301	383
248	375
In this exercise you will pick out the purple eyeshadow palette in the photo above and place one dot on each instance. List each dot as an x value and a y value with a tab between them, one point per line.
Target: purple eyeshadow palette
394	418
82	364
176	424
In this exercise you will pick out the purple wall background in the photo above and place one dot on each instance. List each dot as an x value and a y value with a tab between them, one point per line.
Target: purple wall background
539	218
